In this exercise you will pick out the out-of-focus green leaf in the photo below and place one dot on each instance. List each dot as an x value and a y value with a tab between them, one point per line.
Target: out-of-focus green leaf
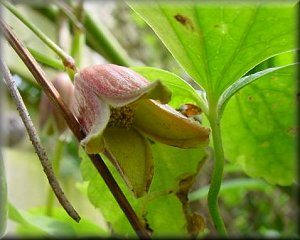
160	208
28	225
85	227
231	187
218	43
182	92
259	127
35	223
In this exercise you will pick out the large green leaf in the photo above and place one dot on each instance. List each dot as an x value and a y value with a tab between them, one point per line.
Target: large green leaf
164	210
258	127
218	43
242	82
160	208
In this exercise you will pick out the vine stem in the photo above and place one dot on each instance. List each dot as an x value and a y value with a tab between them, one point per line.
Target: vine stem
40	151
216	179
75	127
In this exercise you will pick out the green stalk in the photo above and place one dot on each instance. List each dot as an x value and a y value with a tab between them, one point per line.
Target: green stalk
58	151
45	59
105	43
77	44
67	60
79	36
217	175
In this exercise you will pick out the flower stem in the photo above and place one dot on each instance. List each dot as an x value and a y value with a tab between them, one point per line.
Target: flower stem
67	60
216	179
58	151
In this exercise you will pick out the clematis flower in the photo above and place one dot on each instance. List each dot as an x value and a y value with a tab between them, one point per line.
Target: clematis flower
119	110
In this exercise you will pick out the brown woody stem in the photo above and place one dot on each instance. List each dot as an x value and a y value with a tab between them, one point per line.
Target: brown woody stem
73	124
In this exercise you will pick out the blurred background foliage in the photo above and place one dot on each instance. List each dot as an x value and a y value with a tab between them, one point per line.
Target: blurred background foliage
260	210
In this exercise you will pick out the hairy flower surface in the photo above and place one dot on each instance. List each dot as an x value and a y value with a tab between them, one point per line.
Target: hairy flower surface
119	109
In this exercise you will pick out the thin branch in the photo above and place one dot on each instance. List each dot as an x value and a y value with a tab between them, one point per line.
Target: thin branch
73	124
14	92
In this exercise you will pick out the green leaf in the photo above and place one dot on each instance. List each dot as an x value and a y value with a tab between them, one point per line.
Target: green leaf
34	223
182	92
160	208
28	224
258	127
238	85
217	44
83	228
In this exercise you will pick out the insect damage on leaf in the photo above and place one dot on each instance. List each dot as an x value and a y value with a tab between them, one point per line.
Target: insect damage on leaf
184	21
195	222
147	226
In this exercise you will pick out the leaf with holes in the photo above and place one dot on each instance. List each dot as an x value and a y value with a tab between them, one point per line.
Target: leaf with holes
162	197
